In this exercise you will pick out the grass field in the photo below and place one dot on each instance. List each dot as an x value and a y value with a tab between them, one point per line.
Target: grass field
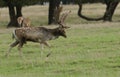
92	49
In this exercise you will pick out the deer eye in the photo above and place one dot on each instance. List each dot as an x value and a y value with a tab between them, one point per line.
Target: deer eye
62	31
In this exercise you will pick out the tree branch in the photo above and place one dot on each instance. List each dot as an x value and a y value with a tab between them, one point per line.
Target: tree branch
87	18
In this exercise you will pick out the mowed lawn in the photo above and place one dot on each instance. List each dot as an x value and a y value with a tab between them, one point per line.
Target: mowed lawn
91	49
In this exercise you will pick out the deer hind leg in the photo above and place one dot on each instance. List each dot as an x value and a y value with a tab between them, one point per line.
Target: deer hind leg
19	48
11	46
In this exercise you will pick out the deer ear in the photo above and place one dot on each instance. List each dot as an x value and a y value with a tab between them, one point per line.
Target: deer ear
61	25
65	27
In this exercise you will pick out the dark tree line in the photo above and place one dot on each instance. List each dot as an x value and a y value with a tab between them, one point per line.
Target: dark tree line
15	8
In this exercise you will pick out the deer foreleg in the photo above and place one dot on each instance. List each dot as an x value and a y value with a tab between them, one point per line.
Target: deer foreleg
46	43
42	46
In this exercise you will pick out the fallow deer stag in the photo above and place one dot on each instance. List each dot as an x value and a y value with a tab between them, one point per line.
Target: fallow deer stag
37	34
24	22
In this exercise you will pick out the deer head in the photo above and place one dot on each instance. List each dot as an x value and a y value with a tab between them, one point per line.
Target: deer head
24	22
60	22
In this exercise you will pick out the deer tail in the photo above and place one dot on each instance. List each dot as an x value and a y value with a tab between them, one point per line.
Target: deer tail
14	34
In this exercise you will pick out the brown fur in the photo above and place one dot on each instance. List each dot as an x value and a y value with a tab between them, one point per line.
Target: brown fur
35	34
24	22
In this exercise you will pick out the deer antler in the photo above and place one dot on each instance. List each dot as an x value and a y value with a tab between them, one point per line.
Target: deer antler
57	12
63	17
60	18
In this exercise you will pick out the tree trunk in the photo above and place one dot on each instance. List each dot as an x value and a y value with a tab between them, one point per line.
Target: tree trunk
18	11
52	5
13	20
84	17
14	14
111	7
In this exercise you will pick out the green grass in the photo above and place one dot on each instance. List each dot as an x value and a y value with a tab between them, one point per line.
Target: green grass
91	49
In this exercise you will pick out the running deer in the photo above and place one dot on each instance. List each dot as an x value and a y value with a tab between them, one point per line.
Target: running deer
24	22
38	34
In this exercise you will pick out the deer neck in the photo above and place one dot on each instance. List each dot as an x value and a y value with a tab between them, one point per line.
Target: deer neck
55	32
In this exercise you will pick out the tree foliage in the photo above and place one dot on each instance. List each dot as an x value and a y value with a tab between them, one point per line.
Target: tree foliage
21	2
2	3
15	9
